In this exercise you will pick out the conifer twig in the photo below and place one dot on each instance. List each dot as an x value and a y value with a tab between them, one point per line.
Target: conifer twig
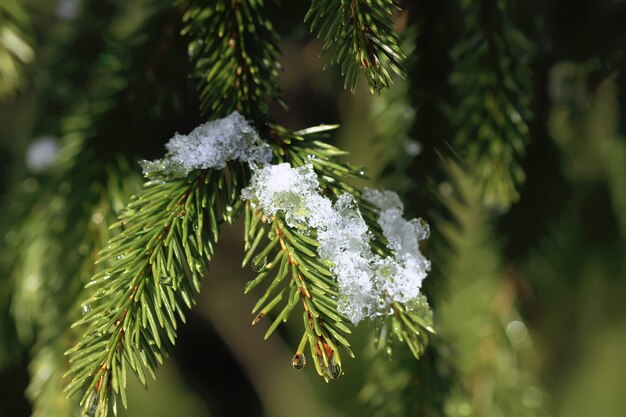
233	46
493	82
361	38
154	266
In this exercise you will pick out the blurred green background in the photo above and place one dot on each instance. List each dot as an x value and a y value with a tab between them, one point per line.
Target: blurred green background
528	300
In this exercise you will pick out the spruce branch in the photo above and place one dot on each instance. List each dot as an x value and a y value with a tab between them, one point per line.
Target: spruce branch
272	244
361	38
309	283
410	326
492	78
153	268
238	35
300	274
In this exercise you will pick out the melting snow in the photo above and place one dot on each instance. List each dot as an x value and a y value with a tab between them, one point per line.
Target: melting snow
368	283
211	145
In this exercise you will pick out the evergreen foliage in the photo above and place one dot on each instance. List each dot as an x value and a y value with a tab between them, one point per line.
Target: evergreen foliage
156	264
361	39
100	272
153	267
240	36
493	82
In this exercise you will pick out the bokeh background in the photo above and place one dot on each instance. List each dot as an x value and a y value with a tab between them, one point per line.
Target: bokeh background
528	299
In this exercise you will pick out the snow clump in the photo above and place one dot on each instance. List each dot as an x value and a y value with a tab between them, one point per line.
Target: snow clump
410	267
211	145
368	283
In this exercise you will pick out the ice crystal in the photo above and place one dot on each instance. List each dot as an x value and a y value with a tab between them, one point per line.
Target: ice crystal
210	145
367	283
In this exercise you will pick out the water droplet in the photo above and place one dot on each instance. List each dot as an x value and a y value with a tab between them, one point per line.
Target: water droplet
91	406
257	318
333	370
86	308
389	350
259	263
298	361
